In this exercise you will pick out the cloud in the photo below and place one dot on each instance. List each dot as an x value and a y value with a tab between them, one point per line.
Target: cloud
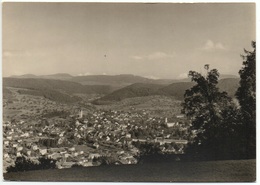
14	53
137	57
154	56
22	53
152	77
84	74
7	54
210	45
182	76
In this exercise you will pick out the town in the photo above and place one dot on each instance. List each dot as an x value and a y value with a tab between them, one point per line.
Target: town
74	135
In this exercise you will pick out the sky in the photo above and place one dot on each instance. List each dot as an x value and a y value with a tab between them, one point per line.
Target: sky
164	40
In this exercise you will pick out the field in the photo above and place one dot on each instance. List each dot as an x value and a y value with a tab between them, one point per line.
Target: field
158	106
211	171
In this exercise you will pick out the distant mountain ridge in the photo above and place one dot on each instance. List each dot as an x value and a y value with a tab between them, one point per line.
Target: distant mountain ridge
61	85
56	90
117	81
58	76
113	87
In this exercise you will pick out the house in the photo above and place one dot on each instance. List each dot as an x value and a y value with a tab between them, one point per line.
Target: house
6	143
72	149
20	148
67	164
67	155
94	155
140	140
96	145
29	152
180	116
25	134
43	151
6	156
18	154
55	155
76	154
35	147
169	124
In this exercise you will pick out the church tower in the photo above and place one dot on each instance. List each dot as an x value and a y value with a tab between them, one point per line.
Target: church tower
81	114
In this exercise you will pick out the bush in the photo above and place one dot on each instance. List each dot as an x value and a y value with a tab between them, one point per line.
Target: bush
104	160
24	164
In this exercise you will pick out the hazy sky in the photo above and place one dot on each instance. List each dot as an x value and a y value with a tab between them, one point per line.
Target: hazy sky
152	40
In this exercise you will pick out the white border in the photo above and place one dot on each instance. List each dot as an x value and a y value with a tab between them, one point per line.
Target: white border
132	1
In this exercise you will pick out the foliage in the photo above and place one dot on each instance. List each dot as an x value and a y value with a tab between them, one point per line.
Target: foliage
24	164
104	160
57	113
59	85
134	90
77	166
246	95
48	142
176	90
213	117
149	152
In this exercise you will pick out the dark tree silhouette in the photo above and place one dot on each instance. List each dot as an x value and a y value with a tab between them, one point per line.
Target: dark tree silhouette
24	164
212	114
246	95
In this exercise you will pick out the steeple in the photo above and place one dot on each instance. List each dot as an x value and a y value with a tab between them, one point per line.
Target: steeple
81	114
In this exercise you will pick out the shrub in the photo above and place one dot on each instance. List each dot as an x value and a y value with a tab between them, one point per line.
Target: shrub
24	164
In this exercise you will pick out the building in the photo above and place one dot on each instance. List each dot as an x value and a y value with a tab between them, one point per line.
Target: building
170	124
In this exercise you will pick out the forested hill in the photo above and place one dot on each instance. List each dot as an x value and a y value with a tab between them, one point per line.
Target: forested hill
49	84
134	90
229	85
119	81
110	92
176	90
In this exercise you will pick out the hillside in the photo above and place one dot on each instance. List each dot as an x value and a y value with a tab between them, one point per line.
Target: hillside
55	90
44	84
24	76
58	76
210	171
113	80
116	88
229	85
117	81
176	90
134	90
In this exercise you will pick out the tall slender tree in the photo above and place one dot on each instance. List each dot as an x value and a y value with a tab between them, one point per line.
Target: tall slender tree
246	95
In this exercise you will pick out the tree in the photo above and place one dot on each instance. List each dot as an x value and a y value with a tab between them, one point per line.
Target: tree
213	115
246	95
25	164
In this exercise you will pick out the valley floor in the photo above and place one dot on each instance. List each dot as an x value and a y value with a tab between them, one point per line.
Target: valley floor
211	171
